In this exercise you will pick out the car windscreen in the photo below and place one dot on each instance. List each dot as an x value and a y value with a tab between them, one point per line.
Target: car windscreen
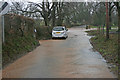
58	29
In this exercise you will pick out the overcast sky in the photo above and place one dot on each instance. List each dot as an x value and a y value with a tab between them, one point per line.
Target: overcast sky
37	1
22	0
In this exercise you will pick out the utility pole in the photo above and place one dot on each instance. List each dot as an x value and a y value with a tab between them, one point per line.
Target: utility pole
3	35
107	21
3	10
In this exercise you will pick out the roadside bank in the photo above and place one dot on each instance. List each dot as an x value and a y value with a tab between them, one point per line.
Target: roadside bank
107	48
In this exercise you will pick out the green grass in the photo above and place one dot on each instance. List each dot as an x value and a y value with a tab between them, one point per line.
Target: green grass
92	32
93	26
107	48
102	26
16	46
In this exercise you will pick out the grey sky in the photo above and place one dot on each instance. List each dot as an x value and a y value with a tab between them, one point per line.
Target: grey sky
58	0
38	1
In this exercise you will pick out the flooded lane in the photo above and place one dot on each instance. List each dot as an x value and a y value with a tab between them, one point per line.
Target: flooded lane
70	58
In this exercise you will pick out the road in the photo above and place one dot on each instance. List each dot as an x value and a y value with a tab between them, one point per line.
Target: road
70	58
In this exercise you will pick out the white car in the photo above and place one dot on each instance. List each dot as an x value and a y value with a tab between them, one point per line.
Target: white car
59	32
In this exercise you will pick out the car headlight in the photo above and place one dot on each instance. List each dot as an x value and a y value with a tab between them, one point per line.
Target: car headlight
62	32
53	32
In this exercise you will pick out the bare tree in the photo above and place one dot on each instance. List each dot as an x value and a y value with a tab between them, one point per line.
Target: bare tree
117	4
111	6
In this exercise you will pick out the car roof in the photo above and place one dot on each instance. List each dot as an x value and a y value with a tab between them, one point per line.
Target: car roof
59	27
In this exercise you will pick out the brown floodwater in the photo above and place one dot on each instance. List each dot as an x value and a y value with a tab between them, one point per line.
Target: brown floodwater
70	58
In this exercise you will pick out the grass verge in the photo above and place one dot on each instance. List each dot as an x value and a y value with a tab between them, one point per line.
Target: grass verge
16	47
107	48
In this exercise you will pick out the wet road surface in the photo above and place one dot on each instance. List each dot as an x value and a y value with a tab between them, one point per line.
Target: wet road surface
70	58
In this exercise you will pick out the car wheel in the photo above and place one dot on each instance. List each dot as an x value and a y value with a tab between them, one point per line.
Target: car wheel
65	37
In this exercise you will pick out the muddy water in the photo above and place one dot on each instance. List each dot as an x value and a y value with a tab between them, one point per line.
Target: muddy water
70	58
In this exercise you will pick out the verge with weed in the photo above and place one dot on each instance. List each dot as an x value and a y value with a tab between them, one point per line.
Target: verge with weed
107	48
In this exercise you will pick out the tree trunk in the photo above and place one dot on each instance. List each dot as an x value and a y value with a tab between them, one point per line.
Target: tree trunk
110	20
118	20
53	19
46	23
107	22
53	15
118	9
103	29
119	38
110	12
46	20
60	14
